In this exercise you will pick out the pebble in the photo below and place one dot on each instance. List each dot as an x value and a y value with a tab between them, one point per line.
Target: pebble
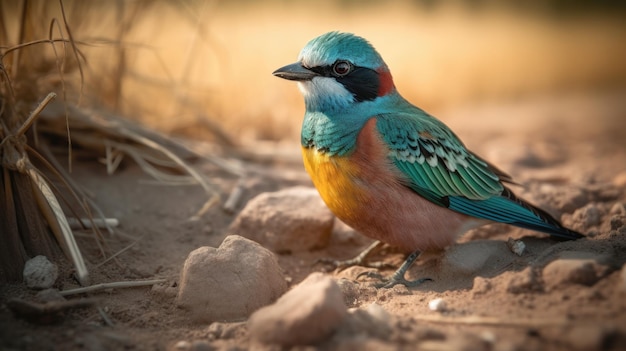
182	345
40	273
517	246
622	275
230	282
306	315
438	305
286	221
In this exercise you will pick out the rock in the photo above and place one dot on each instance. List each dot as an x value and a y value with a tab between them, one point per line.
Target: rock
574	268
306	315
230	282
290	220
39	273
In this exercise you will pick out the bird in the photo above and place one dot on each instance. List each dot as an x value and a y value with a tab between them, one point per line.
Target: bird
389	169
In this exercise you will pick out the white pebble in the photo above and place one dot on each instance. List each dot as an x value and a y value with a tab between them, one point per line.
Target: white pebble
437	304
516	246
182	345
39	273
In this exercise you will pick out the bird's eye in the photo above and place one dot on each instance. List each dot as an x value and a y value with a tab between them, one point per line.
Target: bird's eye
341	68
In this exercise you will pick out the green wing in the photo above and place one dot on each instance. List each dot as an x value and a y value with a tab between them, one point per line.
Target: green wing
438	167
435	161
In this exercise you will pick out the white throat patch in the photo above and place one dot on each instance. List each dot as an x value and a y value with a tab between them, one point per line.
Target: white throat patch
325	90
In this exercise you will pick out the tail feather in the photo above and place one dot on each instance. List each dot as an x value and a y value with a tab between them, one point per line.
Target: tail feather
508	208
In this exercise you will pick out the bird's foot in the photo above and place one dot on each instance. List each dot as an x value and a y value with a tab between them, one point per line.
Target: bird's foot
398	276
359	260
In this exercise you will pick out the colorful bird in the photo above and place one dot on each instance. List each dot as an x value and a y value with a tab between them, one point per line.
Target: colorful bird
387	168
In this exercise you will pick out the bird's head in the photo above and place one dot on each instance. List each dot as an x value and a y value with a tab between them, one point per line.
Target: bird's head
337	70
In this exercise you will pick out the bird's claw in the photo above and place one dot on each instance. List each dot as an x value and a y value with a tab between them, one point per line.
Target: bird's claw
357	261
390	282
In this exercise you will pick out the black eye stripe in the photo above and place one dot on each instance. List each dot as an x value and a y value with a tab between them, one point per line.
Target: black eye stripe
328	70
362	82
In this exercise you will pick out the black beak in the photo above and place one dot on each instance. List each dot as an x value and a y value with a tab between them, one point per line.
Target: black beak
294	71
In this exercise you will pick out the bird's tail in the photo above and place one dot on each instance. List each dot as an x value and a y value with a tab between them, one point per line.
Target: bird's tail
508	208
549	224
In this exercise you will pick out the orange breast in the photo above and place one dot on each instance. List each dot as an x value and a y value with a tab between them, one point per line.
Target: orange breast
336	179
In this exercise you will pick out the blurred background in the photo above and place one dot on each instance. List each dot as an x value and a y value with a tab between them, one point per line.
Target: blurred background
187	65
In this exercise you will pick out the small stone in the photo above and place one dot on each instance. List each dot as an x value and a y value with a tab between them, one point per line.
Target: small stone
182	345
306	315
39	273
516	246
286	221
230	282
574	268
438	305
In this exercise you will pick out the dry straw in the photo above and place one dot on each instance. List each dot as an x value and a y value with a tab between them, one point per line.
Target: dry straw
36	192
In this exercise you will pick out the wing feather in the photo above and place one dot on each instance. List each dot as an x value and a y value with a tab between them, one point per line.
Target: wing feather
437	166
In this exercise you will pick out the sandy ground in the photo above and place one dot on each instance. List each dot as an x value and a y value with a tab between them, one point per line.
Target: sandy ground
553	147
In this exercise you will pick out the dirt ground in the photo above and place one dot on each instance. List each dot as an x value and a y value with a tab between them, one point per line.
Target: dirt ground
567	152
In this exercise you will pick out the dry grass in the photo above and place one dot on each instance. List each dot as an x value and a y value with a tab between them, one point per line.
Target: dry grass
30	199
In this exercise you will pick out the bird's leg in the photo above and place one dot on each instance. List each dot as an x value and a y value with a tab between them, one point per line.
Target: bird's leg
359	260
398	276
